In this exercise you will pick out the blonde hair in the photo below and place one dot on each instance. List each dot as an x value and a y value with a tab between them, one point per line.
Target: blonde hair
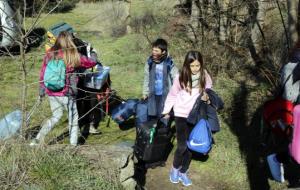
64	43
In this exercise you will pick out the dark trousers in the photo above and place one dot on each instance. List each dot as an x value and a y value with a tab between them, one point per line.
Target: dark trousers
96	112
283	157
159	105
183	155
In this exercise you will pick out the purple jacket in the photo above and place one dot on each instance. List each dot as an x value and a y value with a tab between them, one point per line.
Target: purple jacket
85	63
182	101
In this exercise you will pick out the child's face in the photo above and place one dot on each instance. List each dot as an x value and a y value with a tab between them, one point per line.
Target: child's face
195	67
156	52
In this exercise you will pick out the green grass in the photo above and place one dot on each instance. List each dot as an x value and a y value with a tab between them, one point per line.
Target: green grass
23	167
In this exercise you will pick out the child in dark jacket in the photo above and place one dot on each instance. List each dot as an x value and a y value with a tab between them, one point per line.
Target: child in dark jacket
290	84
63	50
159	74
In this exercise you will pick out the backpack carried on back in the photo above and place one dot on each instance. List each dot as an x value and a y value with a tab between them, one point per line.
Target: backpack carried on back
55	75
278	116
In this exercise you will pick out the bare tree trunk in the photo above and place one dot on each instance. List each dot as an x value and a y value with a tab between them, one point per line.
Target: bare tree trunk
128	16
223	5
24	84
194	21
258	24
293	12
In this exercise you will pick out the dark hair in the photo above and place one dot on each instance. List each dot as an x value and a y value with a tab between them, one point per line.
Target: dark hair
161	44
185	77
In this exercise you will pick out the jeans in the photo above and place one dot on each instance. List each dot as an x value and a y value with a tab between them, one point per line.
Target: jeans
57	105
183	155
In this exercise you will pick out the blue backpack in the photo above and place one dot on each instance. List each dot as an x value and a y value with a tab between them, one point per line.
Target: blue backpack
55	75
200	139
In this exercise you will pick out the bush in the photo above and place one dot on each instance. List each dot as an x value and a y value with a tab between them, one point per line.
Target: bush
138	23
33	7
118	31
92	1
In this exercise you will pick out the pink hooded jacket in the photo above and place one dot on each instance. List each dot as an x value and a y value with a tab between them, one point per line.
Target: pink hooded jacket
84	61
182	101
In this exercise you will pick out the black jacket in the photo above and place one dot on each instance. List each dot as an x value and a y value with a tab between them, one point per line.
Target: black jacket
207	111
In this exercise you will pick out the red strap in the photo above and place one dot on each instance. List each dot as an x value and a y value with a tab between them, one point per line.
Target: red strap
107	96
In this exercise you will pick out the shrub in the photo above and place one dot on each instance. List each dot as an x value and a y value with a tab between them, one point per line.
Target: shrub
118	31
33	7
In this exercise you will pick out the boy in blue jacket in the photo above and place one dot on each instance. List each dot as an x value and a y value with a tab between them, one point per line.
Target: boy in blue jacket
159	73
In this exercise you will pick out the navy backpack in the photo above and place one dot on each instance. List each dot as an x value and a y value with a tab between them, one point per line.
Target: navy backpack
124	111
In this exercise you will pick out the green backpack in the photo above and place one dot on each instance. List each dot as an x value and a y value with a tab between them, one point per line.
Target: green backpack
55	75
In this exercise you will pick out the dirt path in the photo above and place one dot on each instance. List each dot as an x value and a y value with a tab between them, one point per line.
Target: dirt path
158	178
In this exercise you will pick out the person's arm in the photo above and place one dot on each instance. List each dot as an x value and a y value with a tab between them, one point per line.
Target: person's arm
208	85
173	73
208	80
86	62
41	81
146	81
171	97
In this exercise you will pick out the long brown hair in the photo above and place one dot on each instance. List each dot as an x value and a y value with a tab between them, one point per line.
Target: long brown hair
64	43
185	77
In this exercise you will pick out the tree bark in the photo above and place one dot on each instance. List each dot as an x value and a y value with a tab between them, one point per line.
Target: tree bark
194	20
258	18
223	5
293	11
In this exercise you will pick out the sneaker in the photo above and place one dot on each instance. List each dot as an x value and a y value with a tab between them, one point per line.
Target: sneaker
174	175
93	130
34	142
185	180
276	168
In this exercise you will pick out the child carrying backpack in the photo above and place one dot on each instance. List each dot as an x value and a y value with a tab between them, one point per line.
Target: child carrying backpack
58	81
191	82
290	83
159	74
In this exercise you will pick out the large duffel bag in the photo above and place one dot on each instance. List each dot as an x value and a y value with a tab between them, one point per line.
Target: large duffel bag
124	111
154	142
141	112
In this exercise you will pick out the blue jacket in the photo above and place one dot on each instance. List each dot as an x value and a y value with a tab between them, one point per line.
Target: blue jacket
207	111
169	73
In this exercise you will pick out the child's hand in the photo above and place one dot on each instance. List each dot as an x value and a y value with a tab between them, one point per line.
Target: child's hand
205	97
166	116
145	97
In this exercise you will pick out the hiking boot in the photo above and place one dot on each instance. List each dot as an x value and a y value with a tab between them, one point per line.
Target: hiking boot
93	130
174	175
185	180
276	168
34	142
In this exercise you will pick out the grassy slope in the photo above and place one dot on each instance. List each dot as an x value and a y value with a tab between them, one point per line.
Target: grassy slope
126	56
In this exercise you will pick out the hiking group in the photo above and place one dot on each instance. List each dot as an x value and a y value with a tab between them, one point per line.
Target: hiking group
76	81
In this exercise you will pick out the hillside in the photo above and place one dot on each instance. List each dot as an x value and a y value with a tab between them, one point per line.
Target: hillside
237	161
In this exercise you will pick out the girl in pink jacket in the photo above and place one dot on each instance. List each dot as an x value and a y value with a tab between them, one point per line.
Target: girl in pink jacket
64	56
191	82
